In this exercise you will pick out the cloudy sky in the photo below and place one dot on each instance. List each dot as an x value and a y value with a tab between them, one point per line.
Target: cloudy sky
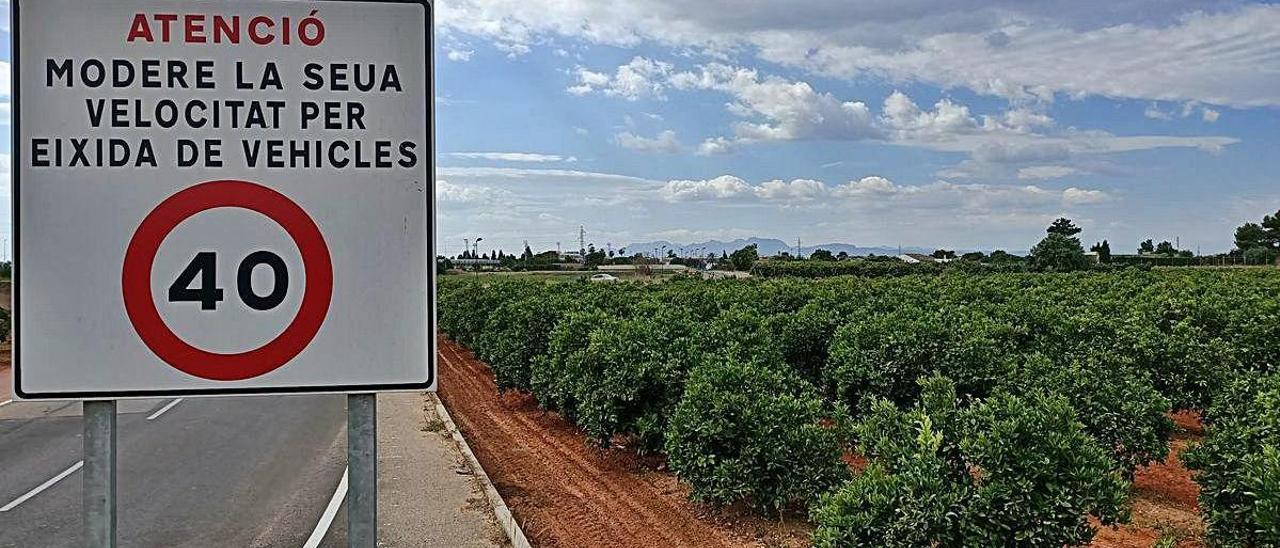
935	123
931	123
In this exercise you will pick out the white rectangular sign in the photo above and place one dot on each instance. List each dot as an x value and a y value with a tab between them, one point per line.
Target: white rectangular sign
222	197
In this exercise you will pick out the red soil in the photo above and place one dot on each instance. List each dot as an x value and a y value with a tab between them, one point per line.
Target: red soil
564	492
1164	499
567	493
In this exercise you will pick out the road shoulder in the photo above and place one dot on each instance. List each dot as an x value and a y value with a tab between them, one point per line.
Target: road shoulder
428	496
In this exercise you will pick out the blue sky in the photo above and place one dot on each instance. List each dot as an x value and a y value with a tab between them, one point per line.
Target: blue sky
956	124
930	123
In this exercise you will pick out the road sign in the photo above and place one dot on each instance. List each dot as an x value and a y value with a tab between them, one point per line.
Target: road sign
221	197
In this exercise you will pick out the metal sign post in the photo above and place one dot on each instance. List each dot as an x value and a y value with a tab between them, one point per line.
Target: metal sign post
99	488
362	466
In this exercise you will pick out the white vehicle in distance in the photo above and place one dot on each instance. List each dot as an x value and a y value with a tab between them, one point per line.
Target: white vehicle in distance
603	278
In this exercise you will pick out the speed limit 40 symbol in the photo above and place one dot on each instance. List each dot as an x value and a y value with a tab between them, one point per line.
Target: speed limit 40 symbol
168	346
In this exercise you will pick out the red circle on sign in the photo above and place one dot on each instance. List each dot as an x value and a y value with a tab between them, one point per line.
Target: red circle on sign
156	334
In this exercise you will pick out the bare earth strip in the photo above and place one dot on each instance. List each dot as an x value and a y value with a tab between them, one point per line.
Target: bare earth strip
563	492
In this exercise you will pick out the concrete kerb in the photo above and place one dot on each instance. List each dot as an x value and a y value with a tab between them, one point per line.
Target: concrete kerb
500	510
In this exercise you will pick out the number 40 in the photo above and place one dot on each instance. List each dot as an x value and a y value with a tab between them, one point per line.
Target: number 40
209	295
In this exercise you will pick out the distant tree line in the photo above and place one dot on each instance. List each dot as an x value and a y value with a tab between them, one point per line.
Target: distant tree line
1059	251
1259	242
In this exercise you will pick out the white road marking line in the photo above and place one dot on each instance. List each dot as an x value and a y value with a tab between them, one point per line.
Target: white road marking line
42	487
163	409
330	511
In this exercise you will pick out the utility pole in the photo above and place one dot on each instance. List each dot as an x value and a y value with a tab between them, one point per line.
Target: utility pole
582	243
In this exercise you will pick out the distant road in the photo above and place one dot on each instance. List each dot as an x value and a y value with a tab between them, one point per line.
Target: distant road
250	471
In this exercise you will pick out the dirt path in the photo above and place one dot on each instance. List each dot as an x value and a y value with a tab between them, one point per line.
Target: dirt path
1164	504
563	492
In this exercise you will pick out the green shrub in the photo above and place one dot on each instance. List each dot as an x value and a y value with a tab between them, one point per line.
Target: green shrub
742	333
759	435
555	375
1261	474
633	375
912	507
1188	365
804	338
518	332
914	491
1038	475
464	308
1118	407
883	355
611	357
1237	465
1008	471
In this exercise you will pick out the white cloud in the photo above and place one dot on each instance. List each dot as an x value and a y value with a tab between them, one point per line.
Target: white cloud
512	156
1188	108
716	145
902	114
875	191
1213	58
779	109
968	198
458	55
1153	112
773	108
457	194
1075	195
536	175
867	185
798	190
776	109
722	187
6	86
513	50
1045	172
1166	50
664	141
1018	120
638	79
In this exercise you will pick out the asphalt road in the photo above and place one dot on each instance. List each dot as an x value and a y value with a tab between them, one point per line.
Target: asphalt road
247	471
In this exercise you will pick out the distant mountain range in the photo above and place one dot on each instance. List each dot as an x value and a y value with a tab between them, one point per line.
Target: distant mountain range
766	246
